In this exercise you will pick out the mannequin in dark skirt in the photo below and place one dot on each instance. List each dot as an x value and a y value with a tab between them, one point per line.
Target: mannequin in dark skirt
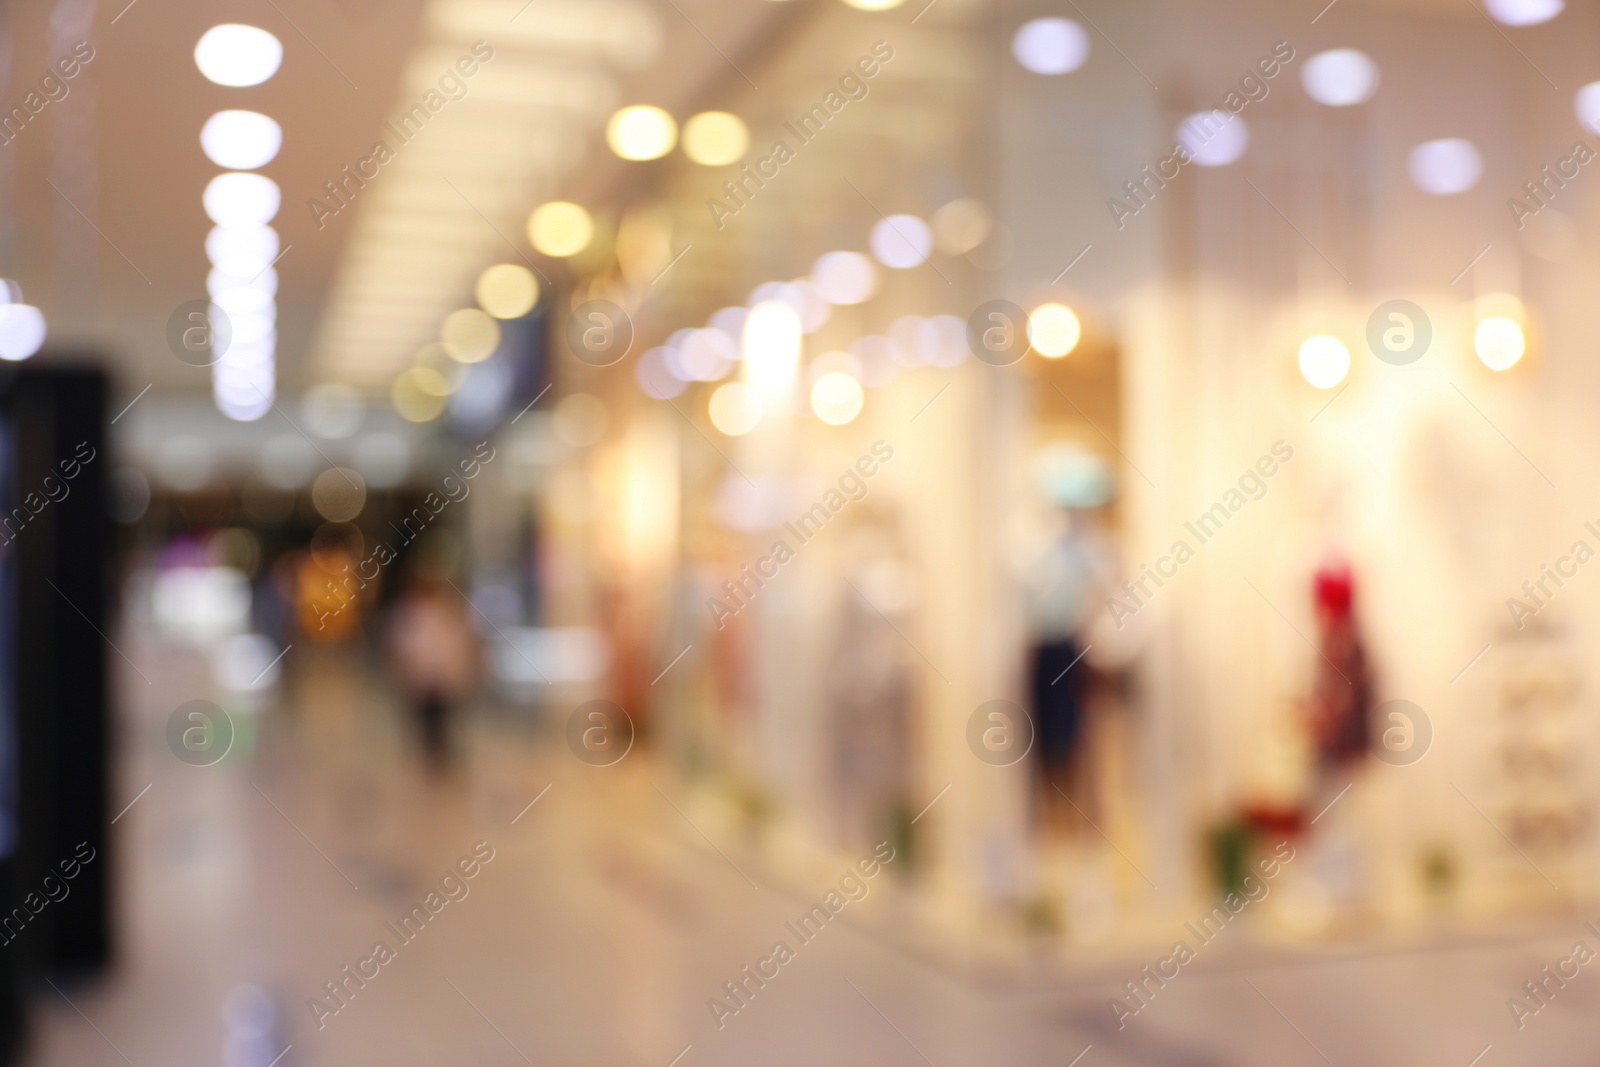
1057	693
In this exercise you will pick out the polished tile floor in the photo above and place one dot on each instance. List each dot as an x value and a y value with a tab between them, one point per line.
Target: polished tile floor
605	921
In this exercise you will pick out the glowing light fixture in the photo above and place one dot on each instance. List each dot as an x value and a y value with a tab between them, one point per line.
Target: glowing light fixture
1050	46
1586	105
901	241
735	408
238	55
715	138
771	348
1324	360
22	330
1498	342
237	199
1499	338
1214	138
507	290
641	132
1445	167
874	5
560	228
469	335
1524	12
1340	77
241	250
1053	330
241	140
836	398
844	278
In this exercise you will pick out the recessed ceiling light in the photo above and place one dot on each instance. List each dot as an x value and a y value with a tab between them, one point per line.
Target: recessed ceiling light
715	138
641	132
901	241
507	290
1051	46
1214	138
1340	77
22	331
1447	166
238	55
560	228
241	140
240	199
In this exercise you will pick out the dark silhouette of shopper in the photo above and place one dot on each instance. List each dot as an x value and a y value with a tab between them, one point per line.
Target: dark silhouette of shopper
435	655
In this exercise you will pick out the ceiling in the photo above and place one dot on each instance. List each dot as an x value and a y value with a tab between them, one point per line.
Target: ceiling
107	231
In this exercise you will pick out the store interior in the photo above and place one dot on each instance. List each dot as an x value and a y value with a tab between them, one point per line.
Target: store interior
1085	504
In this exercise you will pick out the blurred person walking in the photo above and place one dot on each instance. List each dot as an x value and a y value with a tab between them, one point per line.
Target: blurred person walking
436	657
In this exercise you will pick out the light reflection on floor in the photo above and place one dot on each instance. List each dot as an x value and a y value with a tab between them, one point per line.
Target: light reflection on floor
605	921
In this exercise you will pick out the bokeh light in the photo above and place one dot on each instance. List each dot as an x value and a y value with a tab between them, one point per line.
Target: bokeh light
1499	342
339	494
1524	12
22	331
560	228
655	378
241	140
469	335
715	138
836	398
901	241
641	132
961	225
771	347
242	251
1445	167
1053	330
238	199
1340	77
1050	46
412	400
1586	106
507	290
238	55
844	278
735	408
1214	138
1324	360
